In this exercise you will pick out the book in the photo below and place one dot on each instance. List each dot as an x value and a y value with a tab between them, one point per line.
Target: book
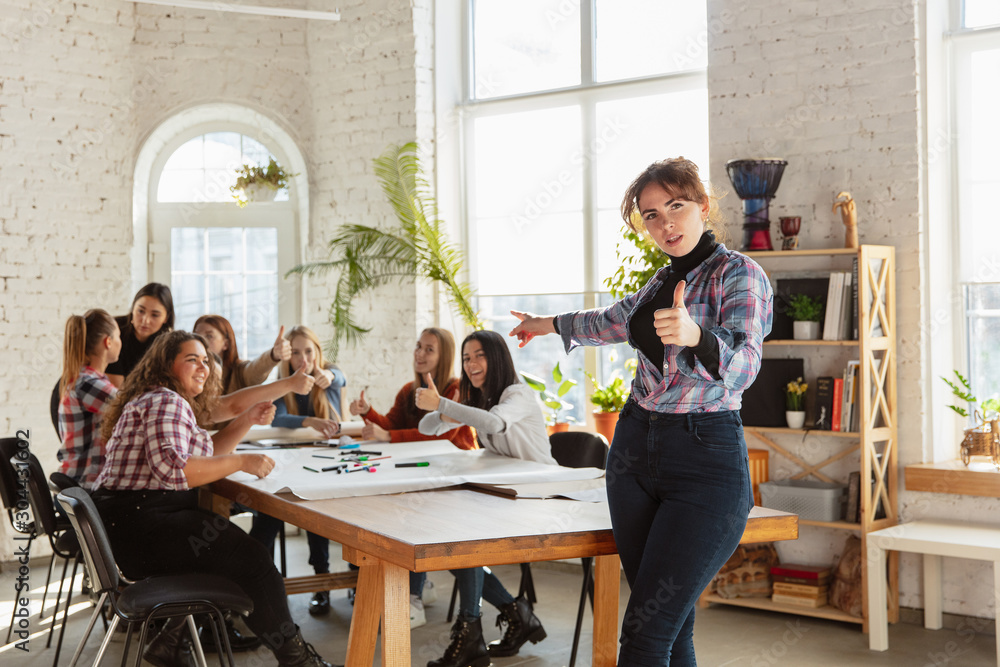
855	315
834	296
853	497
782	579
853	396
799	602
824	403
814	572
800	590
846	328
837	404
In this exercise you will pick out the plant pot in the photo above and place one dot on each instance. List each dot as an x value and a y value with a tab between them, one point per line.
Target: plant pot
259	192
795	418
802	330
605	422
558	427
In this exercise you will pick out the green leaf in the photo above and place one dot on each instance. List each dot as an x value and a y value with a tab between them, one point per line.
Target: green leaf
565	387
533	381
557	374
555	405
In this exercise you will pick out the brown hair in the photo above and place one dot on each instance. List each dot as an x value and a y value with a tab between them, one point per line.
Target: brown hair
678	176
443	372
317	396
231	355
161	293
153	371
83	334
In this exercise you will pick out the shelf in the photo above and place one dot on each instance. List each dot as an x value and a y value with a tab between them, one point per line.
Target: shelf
810	252
979	478
827	611
795	343
838	525
803	431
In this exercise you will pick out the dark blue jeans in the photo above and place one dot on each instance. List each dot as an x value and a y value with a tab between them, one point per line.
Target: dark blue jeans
265	529
476	584
679	494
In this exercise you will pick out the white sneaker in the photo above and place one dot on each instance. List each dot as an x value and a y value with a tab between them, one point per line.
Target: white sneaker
430	594
417	616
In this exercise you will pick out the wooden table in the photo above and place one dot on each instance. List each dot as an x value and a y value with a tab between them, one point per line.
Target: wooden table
388	536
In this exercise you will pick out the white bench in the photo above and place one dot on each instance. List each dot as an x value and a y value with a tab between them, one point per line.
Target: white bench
933	540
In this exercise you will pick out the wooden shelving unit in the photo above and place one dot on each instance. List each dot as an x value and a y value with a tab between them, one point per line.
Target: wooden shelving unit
876	442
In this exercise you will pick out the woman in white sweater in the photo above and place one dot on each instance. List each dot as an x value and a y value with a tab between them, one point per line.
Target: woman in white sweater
508	421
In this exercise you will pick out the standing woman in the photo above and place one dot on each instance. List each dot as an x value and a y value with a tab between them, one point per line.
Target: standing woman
679	481
434	354
508	421
237	373
146	493
152	314
319	409
92	342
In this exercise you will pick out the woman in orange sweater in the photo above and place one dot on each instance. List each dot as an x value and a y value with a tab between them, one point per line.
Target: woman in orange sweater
434	354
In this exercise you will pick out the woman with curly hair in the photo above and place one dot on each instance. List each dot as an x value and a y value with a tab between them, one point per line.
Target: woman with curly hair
156	456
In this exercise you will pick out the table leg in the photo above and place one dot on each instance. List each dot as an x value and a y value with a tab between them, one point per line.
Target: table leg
395	616
933	595
607	588
367	612
878	622
996	593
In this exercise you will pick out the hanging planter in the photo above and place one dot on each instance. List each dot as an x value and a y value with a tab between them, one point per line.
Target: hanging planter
259	184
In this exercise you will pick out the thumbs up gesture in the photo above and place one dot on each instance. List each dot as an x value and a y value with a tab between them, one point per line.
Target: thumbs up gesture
361	406
673	325
282	349
302	380
428	398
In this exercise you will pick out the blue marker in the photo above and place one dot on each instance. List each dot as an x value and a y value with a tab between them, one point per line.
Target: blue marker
353	446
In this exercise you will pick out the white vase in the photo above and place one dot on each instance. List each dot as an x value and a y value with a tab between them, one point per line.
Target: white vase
258	192
802	330
795	418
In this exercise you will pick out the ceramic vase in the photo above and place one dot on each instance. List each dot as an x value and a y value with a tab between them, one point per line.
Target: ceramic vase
795	418
802	330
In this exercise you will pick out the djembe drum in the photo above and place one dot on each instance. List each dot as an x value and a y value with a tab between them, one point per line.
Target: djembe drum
755	182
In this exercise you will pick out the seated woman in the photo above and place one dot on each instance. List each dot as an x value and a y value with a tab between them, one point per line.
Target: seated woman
320	410
156	456
508	421
434	354
237	373
152	314
92	342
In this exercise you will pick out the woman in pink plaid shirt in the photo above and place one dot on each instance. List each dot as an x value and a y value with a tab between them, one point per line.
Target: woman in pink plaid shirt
678	475
157	454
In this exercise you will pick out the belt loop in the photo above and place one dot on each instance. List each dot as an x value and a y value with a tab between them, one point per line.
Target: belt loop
689	421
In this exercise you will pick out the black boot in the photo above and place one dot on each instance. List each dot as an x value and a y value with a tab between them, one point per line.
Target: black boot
467	648
522	626
172	646
296	652
237	640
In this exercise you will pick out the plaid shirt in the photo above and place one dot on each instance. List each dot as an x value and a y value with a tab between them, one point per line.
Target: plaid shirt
151	443
82	451
730	296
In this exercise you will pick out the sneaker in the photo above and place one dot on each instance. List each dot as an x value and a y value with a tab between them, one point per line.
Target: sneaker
417	616
430	594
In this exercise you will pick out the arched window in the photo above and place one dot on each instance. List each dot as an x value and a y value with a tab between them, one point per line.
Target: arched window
217	257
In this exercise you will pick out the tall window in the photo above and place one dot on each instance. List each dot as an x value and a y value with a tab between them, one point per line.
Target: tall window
565	104
219	258
976	62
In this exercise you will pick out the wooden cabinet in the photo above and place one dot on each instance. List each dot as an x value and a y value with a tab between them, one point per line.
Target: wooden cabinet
875	443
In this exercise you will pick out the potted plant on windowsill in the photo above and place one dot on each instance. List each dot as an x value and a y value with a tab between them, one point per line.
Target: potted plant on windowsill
609	399
553	399
806	313
257	183
984	438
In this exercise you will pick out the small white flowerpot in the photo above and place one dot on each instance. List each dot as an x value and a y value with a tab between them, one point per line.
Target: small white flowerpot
795	418
802	330
259	192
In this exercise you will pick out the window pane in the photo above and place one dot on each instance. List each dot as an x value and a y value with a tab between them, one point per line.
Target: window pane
985	100
539	357
262	248
525	46
225	249
979	13
225	297
187	248
254	152
983	304
262	313
180	185
189	299
222	150
632	133
612	358
543	255
189	156
204	168
644	37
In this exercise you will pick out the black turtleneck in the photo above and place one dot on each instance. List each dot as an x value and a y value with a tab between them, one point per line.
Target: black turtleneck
641	324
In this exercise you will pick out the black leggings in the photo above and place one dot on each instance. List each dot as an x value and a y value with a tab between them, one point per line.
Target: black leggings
165	532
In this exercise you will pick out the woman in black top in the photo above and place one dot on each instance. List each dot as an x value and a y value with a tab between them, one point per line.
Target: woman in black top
152	314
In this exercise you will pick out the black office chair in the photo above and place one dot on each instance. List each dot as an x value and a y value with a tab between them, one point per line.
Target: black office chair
61	537
54	400
9	487
570	449
164	596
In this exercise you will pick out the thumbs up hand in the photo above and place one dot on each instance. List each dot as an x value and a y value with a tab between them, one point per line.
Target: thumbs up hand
361	406
282	349
302	380
673	325
428	398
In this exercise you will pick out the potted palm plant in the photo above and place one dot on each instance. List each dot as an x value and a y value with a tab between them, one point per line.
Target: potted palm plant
257	183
